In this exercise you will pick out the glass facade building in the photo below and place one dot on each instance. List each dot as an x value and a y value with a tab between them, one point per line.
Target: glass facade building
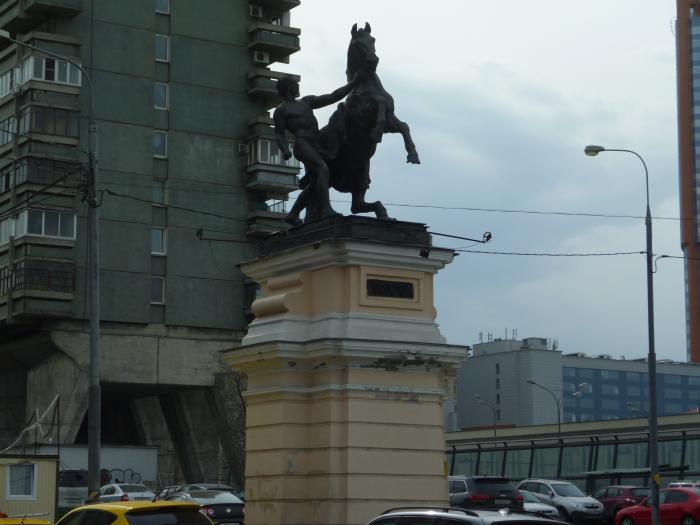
619	394
590	459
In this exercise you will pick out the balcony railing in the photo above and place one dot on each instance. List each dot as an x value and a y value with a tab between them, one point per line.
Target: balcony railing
278	41
38	275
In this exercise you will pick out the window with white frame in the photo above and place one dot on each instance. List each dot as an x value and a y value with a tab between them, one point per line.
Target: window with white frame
46	223
163	7
160	143
162	48
157	290
158	240
7	82
21	482
267	151
160	95
50	70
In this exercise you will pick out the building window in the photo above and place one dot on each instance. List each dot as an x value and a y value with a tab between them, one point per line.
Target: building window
158	241
160	95
157	290
50	70
498	383
21	482
8	129
162	48
163	7
498	414
265	151
158	198
7	84
498	368
49	121
46	223
498	399
160	144
609	389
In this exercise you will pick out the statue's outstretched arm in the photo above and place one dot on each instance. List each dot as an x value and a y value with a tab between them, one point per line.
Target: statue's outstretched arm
321	101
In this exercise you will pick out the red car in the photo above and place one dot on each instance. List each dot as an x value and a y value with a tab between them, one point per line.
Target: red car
616	497
679	506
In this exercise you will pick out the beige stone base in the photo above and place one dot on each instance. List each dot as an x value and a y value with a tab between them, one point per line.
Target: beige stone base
336	437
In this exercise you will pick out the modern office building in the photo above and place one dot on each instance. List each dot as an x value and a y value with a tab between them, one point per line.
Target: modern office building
583	387
190	178
688	78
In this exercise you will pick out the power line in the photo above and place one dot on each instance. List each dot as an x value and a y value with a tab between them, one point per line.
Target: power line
533	254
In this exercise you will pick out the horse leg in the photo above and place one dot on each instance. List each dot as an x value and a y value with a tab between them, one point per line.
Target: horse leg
359	205
398	126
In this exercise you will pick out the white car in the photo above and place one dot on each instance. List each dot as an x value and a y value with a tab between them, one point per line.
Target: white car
532	504
124	492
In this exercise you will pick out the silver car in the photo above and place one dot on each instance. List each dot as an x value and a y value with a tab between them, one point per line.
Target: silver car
124	492
532	504
572	504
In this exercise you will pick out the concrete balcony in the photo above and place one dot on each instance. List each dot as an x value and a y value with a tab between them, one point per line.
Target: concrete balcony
268	172
276	42
262	85
21	16
277	5
268	219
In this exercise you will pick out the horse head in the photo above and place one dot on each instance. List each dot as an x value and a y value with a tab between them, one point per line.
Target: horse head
362	57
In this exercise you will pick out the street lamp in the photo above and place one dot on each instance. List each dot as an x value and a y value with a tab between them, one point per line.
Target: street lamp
580	389
493	408
94	393
592	151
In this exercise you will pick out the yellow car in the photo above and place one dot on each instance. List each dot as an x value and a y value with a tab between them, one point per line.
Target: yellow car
136	513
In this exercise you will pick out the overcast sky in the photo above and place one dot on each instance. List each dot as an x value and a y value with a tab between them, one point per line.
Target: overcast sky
501	98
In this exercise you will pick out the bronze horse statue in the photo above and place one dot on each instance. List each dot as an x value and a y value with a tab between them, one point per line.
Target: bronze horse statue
356	127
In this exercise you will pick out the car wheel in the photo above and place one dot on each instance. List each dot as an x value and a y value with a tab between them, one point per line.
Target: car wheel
688	520
627	521
563	513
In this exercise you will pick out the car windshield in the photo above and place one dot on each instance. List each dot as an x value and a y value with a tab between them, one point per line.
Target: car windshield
529	497
641	493
567	490
166	516
134	488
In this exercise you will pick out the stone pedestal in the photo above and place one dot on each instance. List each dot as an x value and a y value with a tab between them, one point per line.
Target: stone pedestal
346	372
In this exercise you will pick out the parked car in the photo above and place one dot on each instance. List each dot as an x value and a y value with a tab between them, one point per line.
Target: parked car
484	492
137	513
532	504
572	504
686	484
220	506
678	506
124	492
72	488
452	516
616	497
168	491
206	486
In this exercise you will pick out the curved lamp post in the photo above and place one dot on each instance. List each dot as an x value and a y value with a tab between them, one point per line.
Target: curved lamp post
493	408
94	393
580	389
592	151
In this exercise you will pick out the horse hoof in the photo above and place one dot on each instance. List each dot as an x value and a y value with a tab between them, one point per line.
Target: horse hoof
380	211
413	158
293	221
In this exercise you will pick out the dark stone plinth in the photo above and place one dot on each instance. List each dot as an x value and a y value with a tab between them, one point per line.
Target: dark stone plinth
350	227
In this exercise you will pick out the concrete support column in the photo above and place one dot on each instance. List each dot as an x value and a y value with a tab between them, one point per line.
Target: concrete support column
346	371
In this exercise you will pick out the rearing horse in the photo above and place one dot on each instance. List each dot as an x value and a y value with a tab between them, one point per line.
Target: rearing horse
356	127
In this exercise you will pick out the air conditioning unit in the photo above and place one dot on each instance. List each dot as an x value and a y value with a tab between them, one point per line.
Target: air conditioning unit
261	57
256	11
